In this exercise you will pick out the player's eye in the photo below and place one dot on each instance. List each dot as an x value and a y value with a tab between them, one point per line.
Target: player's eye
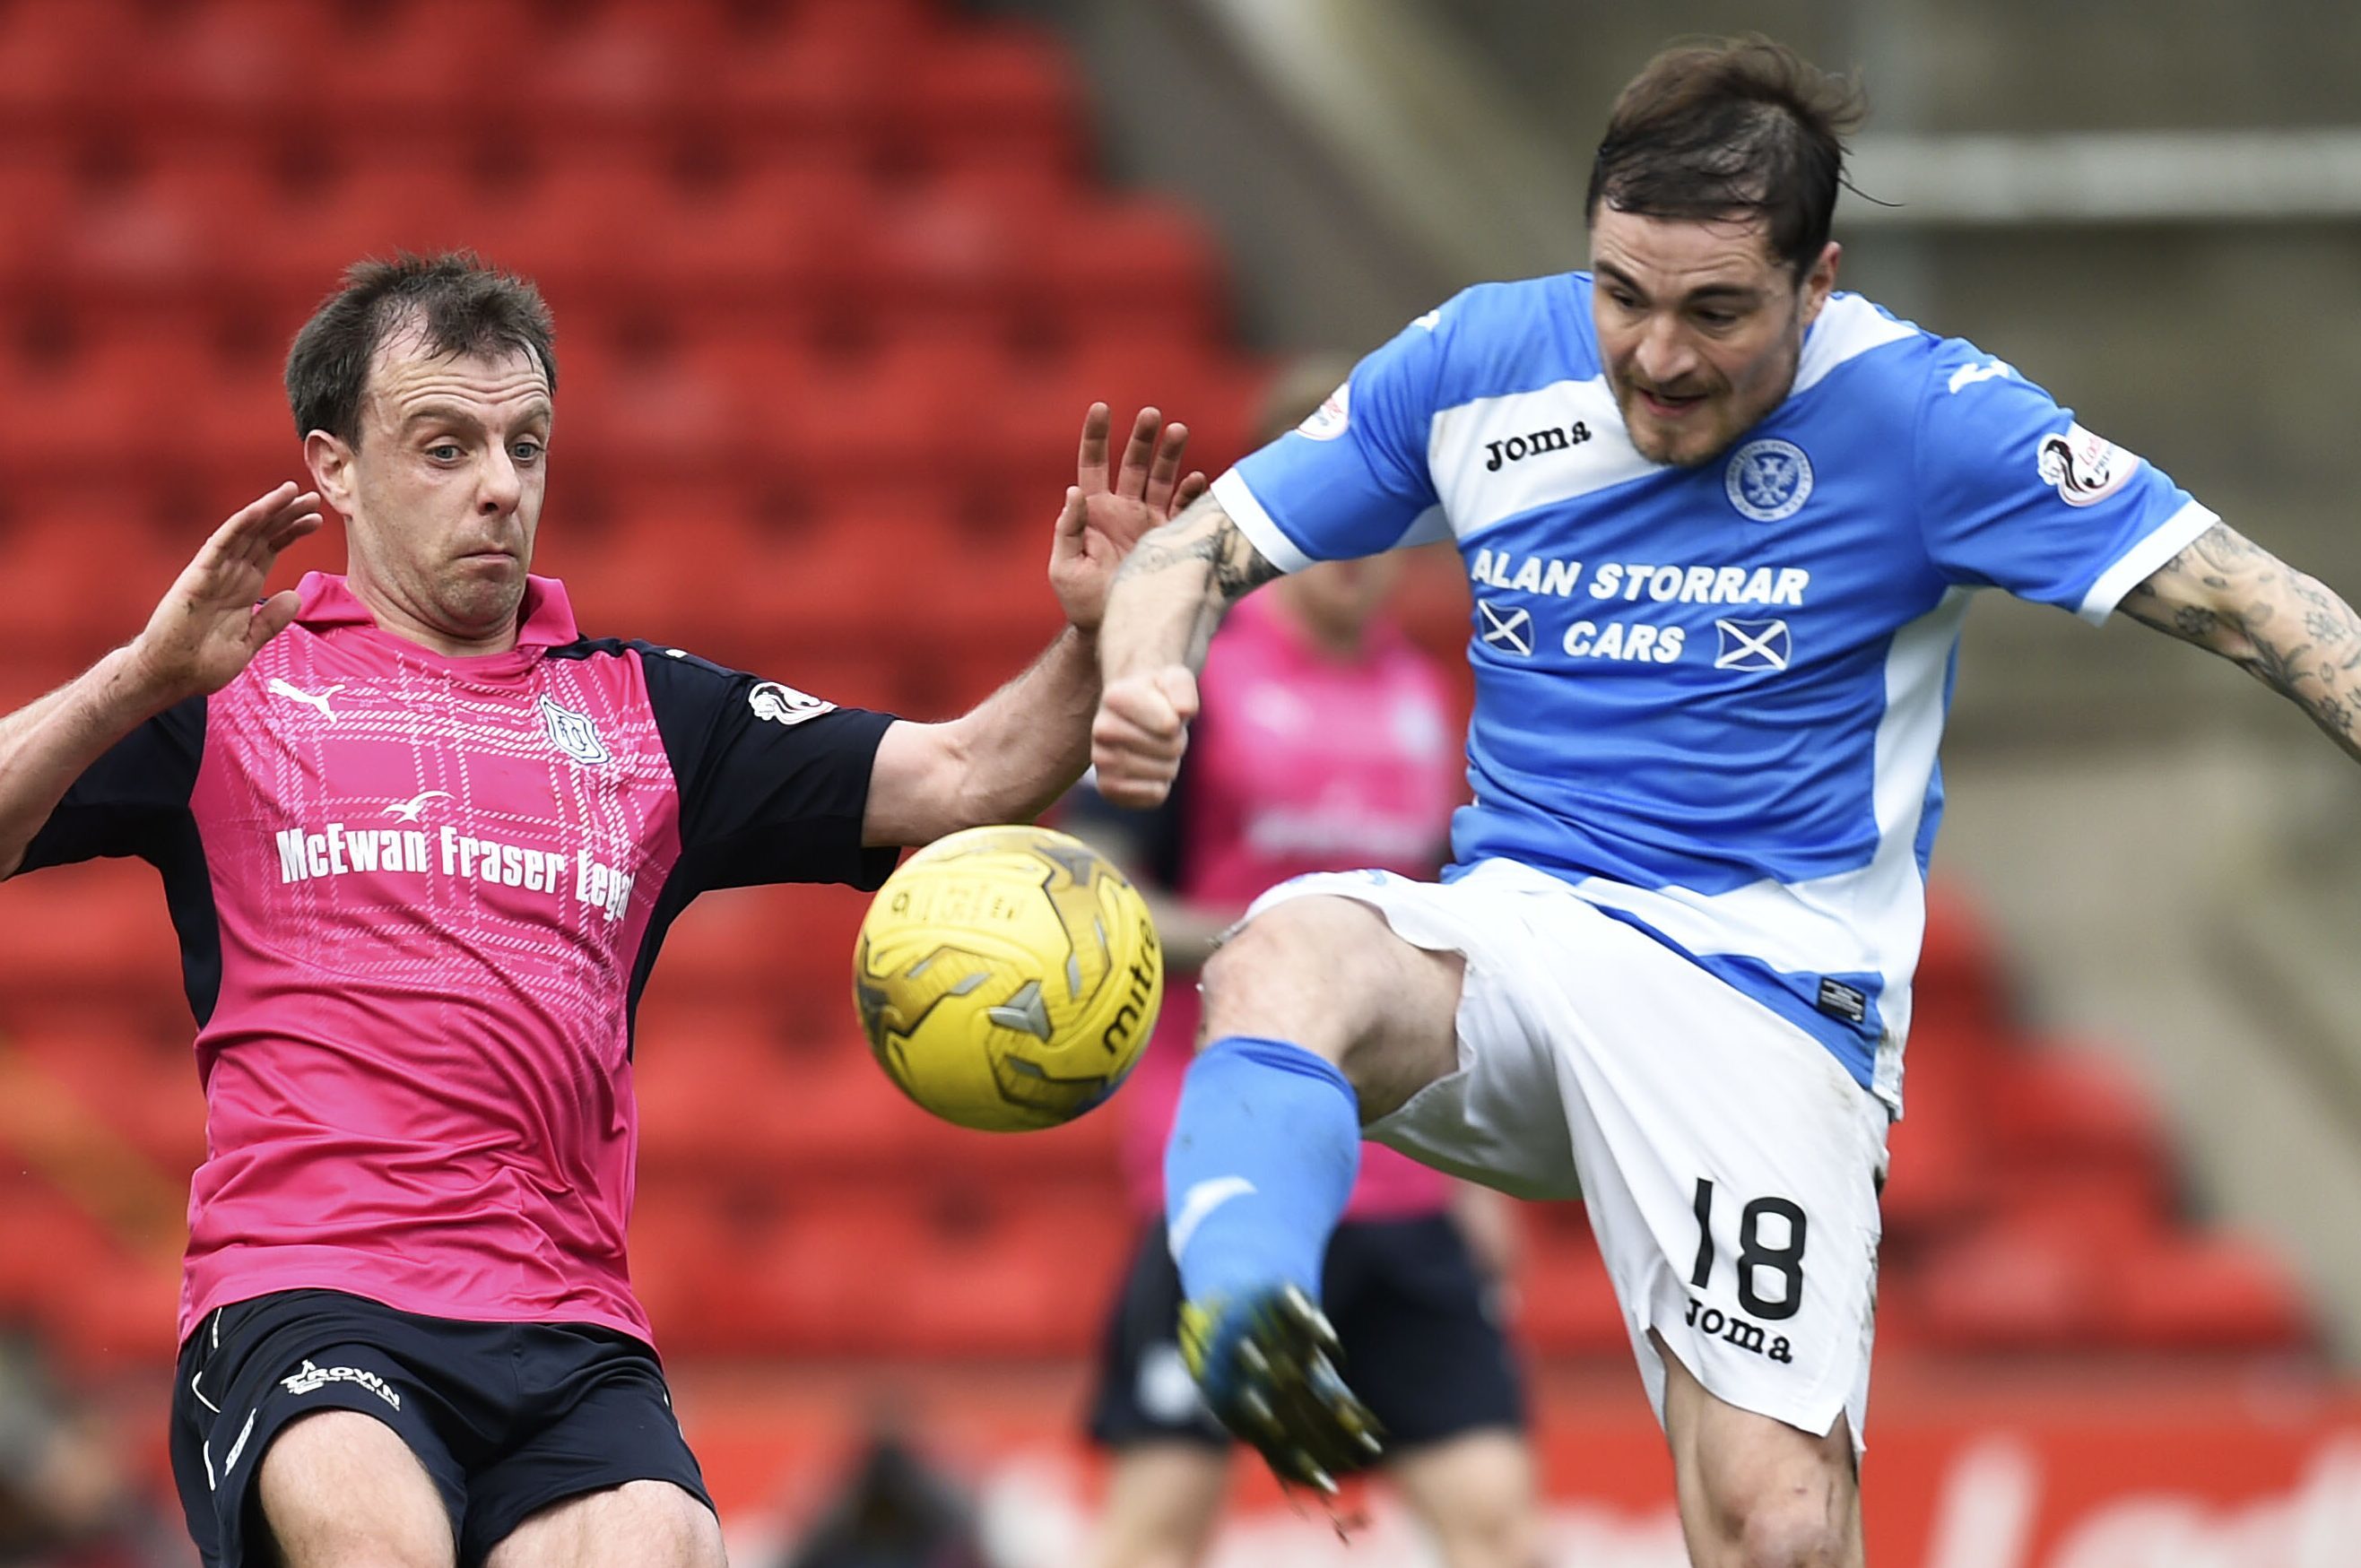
445	451
526	451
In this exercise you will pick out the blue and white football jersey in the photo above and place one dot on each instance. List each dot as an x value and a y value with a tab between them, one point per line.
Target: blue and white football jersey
1709	698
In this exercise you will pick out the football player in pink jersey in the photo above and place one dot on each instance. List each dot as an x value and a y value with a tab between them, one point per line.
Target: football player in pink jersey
421	839
1325	741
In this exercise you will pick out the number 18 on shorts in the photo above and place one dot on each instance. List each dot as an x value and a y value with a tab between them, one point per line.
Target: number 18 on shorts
1769	1274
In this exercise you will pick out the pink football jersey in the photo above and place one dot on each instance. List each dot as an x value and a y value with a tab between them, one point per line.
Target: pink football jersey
417	897
1298	761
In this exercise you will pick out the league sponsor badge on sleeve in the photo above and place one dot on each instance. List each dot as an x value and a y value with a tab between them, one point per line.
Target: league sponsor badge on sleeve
1327	421
2084	468
784	705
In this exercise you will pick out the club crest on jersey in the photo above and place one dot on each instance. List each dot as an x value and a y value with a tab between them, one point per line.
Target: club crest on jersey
1768	480
784	705
2084	468
573	734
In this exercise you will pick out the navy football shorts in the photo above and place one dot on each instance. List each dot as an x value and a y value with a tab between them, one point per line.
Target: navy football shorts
1422	1346
505	1418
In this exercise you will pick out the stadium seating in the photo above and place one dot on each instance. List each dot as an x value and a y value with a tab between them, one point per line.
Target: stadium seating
834	284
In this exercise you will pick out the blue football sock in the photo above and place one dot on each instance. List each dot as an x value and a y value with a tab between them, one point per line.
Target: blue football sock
1259	1166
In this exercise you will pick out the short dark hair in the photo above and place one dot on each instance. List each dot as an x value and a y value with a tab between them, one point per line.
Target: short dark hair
1740	125
462	305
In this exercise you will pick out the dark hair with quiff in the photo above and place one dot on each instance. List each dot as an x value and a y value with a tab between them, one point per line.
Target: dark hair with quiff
459	303
1742	126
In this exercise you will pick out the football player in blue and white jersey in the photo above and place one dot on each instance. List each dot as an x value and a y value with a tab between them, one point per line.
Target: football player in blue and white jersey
1723	523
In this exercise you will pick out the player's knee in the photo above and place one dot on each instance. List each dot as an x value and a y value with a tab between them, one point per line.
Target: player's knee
1798	1528
1492	1533
1291	972
1476	1495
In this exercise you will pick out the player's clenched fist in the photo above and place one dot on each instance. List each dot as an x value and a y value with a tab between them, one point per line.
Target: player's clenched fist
1141	731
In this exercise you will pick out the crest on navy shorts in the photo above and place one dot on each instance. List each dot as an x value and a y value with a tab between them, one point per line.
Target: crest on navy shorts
573	734
1768	480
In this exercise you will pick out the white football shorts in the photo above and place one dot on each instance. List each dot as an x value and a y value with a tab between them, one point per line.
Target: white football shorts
1730	1164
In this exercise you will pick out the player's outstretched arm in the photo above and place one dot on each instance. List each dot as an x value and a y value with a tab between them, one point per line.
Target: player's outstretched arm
1020	749
207	629
2232	596
1167	601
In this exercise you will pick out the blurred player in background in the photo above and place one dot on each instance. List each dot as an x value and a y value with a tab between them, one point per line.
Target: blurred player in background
1724	525
70	1494
1325	741
421	839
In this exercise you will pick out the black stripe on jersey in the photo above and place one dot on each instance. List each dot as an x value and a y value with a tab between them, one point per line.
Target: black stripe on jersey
135	801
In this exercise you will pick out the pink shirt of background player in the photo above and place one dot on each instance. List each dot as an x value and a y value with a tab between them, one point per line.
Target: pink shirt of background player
1300	762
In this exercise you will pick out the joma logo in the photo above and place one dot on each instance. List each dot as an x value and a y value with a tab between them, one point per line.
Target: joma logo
1734	1330
1516	448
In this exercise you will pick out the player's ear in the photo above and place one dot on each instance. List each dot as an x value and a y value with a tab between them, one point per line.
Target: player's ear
329	456
1821	280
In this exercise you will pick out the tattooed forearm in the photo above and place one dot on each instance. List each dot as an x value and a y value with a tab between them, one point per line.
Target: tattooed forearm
1207	560
1204	533
1175	587
2231	597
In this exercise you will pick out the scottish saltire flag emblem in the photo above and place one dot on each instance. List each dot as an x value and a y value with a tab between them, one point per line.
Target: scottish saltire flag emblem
1752	645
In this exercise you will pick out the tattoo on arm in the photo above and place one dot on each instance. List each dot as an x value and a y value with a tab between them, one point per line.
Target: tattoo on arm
1204	540
2231	597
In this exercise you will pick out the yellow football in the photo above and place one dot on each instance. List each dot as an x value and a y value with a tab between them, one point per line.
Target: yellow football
1008	978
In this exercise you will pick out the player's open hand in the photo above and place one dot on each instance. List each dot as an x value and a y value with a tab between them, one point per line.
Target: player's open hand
1105	515
214	619
1141	729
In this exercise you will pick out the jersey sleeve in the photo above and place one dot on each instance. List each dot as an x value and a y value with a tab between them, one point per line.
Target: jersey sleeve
2014	494
132	800
1353	479
773	781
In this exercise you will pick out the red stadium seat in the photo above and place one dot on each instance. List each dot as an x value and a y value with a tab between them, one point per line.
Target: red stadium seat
1564	1303
715	1090
151	1099
1004	95
92	581
2211	1293
824	94
2022	1287
400	70
228	64
1959	983
1143	267
60	64
619	68
1941	1165
95	930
